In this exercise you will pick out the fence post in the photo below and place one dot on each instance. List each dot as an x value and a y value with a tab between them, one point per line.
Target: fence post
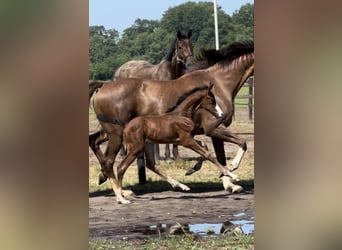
250	98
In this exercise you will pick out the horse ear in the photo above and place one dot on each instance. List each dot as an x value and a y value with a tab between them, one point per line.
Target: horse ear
179	34
210	86
189	33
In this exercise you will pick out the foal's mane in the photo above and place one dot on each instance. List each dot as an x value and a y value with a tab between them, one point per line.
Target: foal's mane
169	54
225	55
185	95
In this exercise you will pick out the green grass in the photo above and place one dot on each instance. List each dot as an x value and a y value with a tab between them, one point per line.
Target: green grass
184	242
244	91
205	179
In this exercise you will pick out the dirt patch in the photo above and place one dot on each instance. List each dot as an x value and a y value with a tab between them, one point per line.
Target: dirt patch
202	204
111	220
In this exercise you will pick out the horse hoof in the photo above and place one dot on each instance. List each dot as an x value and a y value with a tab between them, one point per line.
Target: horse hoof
123	201
183	187
102	178
128	193
190	171
237	189
232	167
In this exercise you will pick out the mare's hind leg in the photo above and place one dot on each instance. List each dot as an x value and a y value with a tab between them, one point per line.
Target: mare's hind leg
108	162
167	152
150	165
94	142
175	152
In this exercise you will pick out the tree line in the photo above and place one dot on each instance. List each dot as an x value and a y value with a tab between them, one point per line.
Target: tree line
150	40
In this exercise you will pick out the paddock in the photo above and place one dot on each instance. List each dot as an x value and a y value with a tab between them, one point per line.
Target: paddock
156	203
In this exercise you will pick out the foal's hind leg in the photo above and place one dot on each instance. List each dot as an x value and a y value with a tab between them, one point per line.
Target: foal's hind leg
150	165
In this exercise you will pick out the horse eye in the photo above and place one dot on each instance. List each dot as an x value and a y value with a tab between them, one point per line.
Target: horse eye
180	48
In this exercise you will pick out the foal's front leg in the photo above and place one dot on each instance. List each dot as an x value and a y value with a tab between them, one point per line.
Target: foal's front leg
187	141
227	184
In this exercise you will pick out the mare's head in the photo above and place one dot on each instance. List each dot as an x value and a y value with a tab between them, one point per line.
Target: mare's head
183	48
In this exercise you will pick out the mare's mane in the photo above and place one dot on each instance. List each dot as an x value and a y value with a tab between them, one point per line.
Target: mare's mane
225	55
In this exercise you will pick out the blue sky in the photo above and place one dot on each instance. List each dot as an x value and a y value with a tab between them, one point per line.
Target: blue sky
121	14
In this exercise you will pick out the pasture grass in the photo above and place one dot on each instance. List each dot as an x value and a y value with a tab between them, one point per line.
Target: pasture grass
244	91
205	179
175	242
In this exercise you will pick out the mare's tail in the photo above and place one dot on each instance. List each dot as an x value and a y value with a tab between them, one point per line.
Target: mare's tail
93	86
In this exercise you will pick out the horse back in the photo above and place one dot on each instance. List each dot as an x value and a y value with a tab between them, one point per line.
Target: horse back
144	70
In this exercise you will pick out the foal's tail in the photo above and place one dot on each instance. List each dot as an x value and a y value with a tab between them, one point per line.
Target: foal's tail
93	86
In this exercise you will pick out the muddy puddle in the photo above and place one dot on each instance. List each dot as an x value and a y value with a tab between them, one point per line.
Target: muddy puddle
241	223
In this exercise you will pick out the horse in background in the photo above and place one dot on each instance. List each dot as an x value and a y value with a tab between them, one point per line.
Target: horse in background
172	66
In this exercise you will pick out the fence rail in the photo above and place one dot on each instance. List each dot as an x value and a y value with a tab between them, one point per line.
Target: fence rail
250	84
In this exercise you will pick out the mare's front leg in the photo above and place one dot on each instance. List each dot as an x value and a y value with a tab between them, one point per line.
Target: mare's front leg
223	133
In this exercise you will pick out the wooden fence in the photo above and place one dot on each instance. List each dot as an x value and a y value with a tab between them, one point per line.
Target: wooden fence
250	96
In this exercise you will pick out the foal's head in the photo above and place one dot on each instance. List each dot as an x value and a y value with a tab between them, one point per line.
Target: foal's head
208	102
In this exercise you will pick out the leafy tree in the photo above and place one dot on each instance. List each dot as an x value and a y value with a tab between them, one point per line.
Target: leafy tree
150	39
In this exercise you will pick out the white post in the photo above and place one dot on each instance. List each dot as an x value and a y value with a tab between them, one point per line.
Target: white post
216	26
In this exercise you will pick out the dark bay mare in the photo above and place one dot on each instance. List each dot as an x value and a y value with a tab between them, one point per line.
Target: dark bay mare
176	126
172	66
123	100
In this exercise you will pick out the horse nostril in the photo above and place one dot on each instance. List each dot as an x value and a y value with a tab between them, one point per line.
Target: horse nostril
189	61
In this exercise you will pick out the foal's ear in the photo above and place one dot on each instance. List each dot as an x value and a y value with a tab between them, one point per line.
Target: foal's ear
189	33
210	86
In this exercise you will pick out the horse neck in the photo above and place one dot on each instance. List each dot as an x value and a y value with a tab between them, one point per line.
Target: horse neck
162	71
175	68
230	78
188	106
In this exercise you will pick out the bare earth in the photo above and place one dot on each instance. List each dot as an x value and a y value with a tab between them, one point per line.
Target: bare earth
210	205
